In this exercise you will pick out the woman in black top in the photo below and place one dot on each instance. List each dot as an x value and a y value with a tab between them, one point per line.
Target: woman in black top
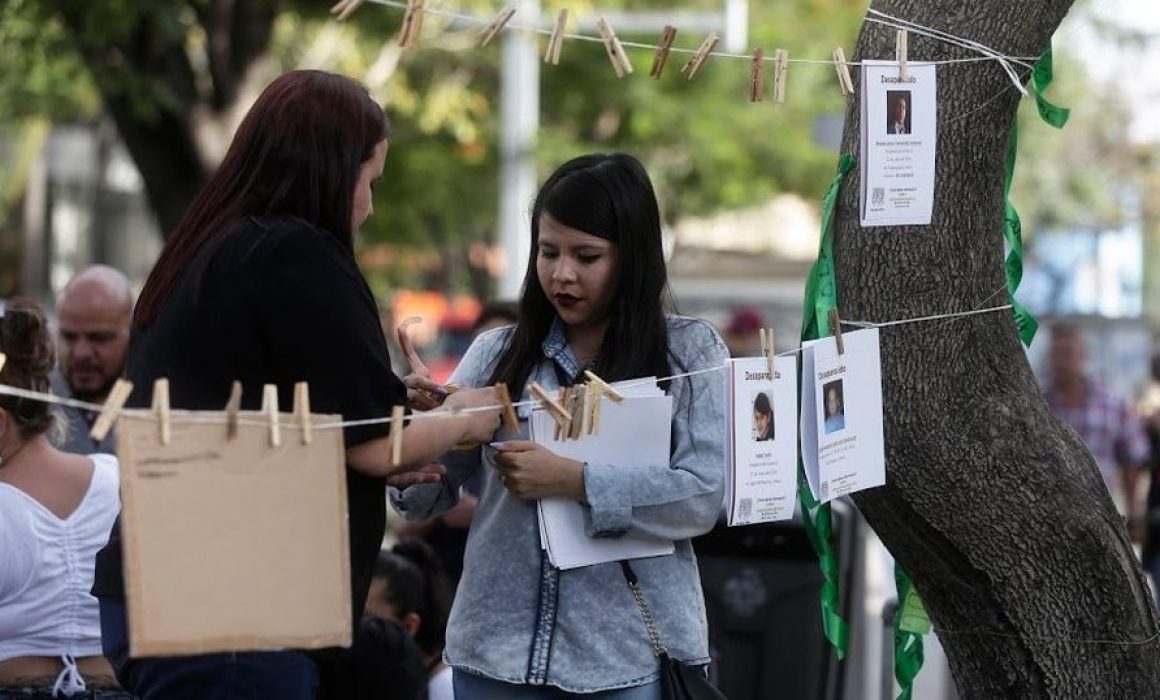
258	283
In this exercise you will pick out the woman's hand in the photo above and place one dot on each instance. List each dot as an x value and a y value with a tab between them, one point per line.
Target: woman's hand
481	425
422	392
531	471
430	474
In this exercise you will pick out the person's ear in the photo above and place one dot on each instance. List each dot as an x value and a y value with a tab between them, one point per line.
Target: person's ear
411	622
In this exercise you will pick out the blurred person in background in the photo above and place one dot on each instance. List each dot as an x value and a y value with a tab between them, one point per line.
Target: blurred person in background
409	589
1105	422
94	312
1148	407
743	332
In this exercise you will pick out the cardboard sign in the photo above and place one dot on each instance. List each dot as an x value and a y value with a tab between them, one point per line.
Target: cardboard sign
232	544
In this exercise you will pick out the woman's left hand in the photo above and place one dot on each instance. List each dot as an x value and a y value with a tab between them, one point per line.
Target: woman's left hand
531	471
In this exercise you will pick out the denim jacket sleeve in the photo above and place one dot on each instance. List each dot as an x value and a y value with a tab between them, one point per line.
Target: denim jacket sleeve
428	500
681	499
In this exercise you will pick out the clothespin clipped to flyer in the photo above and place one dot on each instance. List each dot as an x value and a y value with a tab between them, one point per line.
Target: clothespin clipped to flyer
900	51
233	405
615	51
564	429
496	25
556	41
591	400
780	75
757	76
560	415
412	24
694	65
508	412
345	8
118	395
605	388
836	329
767	350
161	409
302	411
843	70
662	54
579	398
270	408
396	435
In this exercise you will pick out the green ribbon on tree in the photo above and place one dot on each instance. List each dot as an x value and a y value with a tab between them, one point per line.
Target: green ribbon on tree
821	296
1041	78
910	624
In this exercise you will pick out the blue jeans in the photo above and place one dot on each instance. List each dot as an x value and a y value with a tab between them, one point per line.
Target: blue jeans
473	687
285	675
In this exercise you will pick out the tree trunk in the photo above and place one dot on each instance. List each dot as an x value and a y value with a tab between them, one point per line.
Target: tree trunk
995	509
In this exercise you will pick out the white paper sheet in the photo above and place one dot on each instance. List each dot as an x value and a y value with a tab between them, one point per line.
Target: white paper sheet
633	434
761	449
899	133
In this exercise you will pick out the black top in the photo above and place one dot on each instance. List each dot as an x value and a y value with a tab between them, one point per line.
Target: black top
278	302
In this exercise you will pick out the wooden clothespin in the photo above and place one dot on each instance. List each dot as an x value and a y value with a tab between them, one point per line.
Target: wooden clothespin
767	350
556	41
836	330
412	24
576	428
662	54
510	420
757	76
118	395
900	51
496	25
605	387
396	435
694	65
3	359
233	405
843	70
563	426
780	75
558	413
586	410
594	395
161	409
615	51
270	408
345	8
302	411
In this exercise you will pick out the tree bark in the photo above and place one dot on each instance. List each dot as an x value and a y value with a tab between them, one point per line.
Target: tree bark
995	510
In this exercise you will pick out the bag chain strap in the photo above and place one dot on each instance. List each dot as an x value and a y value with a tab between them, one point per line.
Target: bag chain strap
649	623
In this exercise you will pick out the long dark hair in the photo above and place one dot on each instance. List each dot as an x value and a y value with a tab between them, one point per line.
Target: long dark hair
27	343
609	196
297	153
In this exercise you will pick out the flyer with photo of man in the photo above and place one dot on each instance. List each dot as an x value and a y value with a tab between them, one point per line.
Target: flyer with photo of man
899	133
841	421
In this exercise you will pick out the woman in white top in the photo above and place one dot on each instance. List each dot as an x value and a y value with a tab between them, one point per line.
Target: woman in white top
55	513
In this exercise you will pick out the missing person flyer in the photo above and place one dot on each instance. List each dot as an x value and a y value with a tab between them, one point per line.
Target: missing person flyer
761	440
841	423
899	132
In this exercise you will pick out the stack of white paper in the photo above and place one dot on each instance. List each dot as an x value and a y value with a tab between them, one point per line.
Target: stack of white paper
761	431
633	434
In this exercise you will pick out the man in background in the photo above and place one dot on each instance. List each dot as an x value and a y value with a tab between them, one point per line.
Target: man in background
1106	423
94	312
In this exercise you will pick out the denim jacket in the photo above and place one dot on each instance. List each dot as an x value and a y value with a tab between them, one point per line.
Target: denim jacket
518	619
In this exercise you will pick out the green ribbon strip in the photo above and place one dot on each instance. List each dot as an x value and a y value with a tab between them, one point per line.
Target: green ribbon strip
910	624
1041	78
821	296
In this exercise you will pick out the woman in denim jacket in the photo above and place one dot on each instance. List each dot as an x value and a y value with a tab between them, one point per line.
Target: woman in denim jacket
593	299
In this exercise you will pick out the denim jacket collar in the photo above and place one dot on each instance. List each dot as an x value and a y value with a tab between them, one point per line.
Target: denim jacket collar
556	349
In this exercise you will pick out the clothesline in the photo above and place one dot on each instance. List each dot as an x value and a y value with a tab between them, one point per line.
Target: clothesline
447	413
987	53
